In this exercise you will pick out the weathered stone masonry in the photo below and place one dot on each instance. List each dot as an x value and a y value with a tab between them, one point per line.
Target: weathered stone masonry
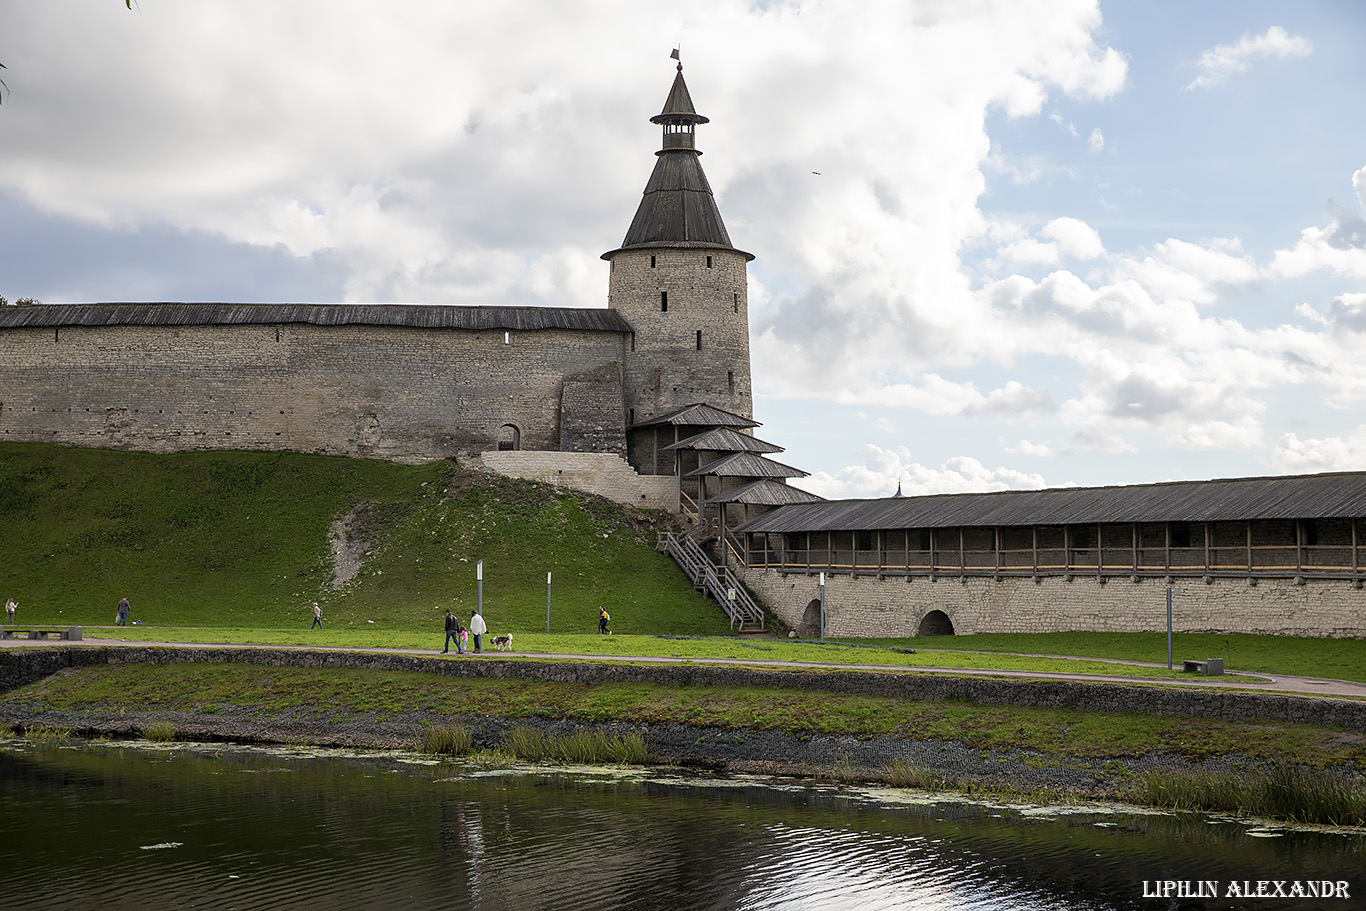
866	605
402	393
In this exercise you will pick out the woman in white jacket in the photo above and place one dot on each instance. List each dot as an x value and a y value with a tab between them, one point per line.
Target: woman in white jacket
477	628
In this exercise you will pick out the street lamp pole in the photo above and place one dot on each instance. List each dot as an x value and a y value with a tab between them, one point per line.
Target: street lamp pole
822	607
1169	627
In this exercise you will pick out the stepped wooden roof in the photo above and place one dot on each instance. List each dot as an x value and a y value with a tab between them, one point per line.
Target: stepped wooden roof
1321	496
766	492
723	439
420	316
698	414
747	465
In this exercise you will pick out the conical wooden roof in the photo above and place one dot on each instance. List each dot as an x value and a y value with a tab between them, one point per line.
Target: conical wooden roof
678	208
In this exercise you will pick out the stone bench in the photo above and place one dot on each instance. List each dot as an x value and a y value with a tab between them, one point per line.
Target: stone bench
71	632
1213	667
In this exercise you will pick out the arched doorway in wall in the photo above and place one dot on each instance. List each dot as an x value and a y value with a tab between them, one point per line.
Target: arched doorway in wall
811	620
509	437
935	623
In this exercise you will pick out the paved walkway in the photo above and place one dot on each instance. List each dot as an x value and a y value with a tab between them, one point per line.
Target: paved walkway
1245	681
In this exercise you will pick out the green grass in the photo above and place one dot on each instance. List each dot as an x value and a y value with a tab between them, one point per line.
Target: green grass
1285	791
702	649
240	539
446	740
160	731
339	693
578	747
233	547
1342	659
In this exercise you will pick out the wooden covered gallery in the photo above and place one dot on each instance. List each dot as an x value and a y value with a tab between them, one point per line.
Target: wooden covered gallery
1300	527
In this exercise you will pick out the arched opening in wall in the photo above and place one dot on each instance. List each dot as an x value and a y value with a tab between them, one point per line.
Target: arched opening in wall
509	437
810	627
935	623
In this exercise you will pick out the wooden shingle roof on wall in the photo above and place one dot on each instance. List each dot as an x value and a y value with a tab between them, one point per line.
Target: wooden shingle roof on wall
747	465
698	414
722	439
766	492
1322	496
417	316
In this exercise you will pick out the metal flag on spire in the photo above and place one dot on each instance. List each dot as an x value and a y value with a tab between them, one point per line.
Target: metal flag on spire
673	55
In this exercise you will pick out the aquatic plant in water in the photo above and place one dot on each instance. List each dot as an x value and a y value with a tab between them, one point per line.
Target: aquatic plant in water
446	740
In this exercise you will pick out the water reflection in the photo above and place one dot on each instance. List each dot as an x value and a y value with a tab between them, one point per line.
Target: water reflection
120	826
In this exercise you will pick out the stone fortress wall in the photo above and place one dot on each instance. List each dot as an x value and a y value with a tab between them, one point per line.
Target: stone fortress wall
865	605
401	393
602	473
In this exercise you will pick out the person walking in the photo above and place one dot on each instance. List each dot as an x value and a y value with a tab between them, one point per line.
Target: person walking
462	644
122	617
10	605
452	632
477	629
317	616
603	617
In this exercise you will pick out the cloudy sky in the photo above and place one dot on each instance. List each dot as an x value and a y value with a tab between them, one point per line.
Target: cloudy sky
1050	242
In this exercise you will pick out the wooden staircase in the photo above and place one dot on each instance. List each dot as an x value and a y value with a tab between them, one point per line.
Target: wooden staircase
715	581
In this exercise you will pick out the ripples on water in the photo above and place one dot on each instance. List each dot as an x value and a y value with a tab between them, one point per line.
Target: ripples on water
133	827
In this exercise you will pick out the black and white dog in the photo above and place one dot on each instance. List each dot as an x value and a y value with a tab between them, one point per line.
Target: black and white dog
503	643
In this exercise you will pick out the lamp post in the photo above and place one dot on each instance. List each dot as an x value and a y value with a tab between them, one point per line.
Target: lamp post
547	604
1169	627
822	607
479	575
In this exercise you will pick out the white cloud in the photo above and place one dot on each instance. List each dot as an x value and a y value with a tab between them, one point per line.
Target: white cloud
1098	441
1295	456
884	469
1063	123
1026	448
1075	238
1339	247
1224	60
449	153
1179	270
1245	432
1029	250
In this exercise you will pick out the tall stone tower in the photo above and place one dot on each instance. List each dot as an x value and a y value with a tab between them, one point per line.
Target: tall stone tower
680	284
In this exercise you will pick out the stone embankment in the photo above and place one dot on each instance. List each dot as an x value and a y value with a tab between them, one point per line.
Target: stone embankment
715	748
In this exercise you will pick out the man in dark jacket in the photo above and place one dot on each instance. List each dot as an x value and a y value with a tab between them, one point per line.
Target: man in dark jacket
452	632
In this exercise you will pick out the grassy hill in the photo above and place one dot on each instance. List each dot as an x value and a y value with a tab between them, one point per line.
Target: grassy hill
247	539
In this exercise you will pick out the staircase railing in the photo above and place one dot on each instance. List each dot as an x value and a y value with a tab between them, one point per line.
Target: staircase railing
716	581
690	510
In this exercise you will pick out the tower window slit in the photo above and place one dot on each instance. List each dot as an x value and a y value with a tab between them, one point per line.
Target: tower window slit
663	301
708	262
699	339
652	262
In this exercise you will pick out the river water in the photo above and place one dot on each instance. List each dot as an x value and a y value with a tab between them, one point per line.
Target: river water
134	826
